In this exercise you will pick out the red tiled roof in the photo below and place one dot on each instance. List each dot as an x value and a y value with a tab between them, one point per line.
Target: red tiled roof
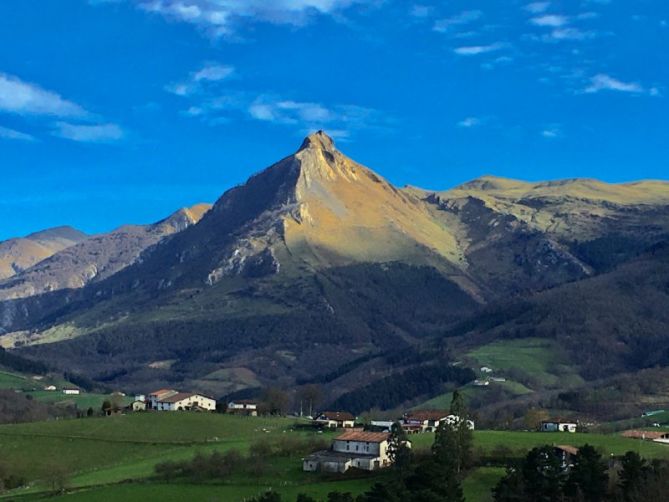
572	450
179	396
161	391
360	435
336	415
423	415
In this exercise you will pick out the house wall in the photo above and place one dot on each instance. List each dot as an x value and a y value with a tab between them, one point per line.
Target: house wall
360	447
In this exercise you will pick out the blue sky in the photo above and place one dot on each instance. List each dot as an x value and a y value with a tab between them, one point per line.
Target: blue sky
121	111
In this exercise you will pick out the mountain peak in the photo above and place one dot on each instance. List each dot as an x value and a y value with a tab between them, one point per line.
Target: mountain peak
318	140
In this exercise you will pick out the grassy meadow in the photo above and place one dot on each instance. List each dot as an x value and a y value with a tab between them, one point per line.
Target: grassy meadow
113	458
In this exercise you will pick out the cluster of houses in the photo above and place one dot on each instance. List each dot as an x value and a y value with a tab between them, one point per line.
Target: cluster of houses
368	449
174	400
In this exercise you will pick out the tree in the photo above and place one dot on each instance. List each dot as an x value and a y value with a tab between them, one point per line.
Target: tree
57	477
633	474
340	497
542	475
89	412
310	395
269	496
116	401
276	401
464	437
511	487
385	493
534	417
106	406
433	481
399	452
588	478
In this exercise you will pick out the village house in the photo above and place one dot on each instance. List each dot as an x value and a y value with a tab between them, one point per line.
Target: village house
173	400
429	420
353	449
243	407
50	387
71	391
335	419
558	425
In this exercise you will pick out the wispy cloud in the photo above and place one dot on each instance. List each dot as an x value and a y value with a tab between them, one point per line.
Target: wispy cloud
604	82
213	73
470	122
24	98
222	17
537	7
342	119
7	133
98	133
465	17
475	50
552	132
210	72
551	20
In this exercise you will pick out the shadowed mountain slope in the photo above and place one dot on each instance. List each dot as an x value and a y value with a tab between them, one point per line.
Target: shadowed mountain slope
96	257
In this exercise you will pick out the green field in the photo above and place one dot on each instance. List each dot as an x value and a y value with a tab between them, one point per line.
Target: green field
541	359
113	458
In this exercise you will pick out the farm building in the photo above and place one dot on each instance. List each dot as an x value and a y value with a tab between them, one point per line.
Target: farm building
355	448
138	405
335	419
558	425
71	391
173	400
50	387
243	407
429	420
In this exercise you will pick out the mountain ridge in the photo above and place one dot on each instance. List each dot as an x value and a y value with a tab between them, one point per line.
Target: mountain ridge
317	262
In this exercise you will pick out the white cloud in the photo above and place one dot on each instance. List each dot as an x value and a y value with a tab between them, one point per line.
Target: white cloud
474	50
551	133
220	17
213	73
550	20
7	133
98	133
470	122
23	98
537	7
466	17
604	82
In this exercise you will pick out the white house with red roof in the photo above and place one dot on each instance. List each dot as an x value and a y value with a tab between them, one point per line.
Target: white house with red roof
353	449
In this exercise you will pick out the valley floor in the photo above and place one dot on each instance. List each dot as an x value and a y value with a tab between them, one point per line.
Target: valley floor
114	458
